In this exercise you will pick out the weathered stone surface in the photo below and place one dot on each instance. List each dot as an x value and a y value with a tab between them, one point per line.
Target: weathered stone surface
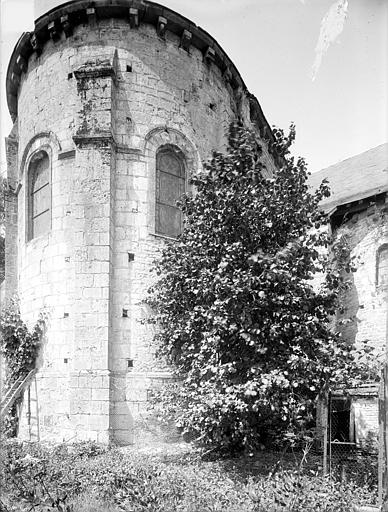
101	101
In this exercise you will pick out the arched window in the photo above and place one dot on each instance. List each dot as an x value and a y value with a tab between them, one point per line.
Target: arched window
170	185
382	266
39	195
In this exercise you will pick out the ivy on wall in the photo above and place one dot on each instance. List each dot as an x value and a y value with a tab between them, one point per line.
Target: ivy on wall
20	347
18	344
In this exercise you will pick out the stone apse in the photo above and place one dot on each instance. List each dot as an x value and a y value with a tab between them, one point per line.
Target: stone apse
115	104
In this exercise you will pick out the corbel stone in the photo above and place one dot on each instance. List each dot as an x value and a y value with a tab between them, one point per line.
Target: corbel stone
54	35
21	63
133	17
210	55
186	40
15	78
227	75
66	25
35	43
161	26
92	16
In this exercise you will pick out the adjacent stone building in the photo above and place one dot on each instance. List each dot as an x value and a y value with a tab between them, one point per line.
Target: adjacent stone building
115	104
358	212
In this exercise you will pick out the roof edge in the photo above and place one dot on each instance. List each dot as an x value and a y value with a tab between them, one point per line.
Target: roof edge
65	16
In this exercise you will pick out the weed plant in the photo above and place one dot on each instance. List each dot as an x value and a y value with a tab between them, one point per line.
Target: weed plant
86	477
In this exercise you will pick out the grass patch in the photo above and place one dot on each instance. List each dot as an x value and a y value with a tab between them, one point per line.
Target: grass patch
87	477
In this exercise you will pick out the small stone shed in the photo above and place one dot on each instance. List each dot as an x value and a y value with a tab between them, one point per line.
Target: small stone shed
358	212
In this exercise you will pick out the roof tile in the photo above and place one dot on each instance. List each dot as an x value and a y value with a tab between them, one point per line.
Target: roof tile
355	178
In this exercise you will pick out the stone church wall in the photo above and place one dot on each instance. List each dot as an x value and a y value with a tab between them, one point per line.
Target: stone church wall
365	302
99	103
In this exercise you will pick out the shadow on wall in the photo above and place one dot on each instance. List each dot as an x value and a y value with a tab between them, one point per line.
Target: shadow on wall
346	321
366	422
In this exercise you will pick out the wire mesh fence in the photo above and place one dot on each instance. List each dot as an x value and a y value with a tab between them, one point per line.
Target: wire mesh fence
348	462
345	457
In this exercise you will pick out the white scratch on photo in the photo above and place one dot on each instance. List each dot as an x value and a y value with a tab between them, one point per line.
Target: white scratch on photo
331	27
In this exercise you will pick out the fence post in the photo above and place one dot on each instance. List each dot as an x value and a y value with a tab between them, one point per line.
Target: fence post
329	418
383	468
383	440
325	414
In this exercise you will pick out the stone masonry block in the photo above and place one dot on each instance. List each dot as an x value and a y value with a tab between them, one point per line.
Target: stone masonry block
100	394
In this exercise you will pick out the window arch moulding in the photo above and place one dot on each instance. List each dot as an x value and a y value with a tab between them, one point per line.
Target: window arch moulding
38	202
39	141
161	140
40	144
382	267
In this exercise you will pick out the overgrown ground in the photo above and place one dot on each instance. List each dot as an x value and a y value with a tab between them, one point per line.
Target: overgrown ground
86	477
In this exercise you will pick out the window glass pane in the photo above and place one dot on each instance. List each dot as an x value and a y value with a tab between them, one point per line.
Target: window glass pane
41	224
170	188
168	162
170	185
39	204
40	173
41	200
382	270
168	220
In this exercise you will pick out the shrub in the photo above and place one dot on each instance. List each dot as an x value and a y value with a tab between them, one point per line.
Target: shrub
66	478
19	345
20	348
239	319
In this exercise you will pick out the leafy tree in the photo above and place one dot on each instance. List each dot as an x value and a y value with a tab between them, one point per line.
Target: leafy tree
2	228
2	257
247	333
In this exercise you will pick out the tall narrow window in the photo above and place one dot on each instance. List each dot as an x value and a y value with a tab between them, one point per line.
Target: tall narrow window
39	196
170	185
382	266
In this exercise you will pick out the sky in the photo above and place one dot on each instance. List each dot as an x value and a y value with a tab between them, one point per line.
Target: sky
322	64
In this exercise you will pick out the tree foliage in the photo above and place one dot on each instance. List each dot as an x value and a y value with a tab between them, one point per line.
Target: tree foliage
20	347
2	228
239	319
18	344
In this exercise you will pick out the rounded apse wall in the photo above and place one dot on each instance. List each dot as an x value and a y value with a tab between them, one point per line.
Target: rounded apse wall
115	106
